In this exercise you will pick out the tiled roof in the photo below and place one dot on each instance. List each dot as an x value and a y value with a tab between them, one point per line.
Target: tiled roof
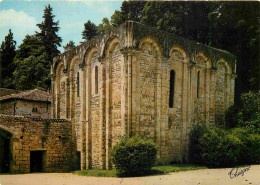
31	95
5	91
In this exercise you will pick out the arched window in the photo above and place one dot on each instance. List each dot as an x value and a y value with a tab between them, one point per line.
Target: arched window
172	81
78	84
96	80
198	84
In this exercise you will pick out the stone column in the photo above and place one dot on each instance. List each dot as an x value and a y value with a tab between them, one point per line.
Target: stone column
212	108
67	95
124	92
83	116
185	94
72	93
129	92
163	118
191	90
88	119
207	96
108	112
232	88
102	87
228	89
53	89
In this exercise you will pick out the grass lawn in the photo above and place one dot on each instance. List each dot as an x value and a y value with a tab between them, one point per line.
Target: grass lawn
156	170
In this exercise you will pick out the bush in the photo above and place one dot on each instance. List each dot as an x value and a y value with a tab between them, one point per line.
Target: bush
213	147
250	150
133	156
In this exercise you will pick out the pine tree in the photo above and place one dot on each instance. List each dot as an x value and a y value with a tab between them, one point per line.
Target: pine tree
69	46
32	65
90	30
48	34
7	54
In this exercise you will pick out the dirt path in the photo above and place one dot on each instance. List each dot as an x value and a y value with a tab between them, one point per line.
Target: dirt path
198	177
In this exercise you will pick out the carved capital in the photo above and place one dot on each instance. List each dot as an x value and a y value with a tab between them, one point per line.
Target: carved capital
233	76
192	64
213	69
65	70
81	66
129	51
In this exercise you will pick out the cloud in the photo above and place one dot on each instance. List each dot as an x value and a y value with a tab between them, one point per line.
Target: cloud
20	23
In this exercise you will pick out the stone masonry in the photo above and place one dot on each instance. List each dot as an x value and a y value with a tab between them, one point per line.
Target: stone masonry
140	80
52	137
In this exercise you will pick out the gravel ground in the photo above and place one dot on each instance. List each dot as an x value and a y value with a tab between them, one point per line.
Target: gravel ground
199	177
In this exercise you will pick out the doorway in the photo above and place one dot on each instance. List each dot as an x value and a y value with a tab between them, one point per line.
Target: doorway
37	161
5	151
78	161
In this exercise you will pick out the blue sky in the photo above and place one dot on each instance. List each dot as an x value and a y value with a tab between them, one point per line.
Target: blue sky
22	17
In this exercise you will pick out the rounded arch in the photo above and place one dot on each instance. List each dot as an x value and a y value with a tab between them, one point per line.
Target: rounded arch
226	64
2	127
88	54
110	45
74	61
56	64
204	58
59	68
154	42
177	48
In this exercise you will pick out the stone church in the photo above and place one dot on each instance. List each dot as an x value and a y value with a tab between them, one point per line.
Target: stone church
140	80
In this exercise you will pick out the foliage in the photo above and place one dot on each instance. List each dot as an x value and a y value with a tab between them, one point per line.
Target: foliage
215	147
104	26
90	30
34	56
250	151
232	26
231	116
69	46
7	54
133	156
247	114
130	10
48	34
32	65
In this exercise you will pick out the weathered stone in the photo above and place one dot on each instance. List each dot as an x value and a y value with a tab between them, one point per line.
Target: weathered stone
123	88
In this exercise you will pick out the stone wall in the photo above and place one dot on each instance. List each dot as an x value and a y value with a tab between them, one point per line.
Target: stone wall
26	108
129	95
51	136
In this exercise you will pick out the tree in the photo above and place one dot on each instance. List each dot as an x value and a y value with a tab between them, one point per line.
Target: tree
130	10
69	46
48	34
33	66
7	54
90	30
104	26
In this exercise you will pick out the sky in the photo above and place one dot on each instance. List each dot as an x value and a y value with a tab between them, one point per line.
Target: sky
22	16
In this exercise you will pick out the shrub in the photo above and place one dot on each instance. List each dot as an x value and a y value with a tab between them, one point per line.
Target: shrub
213	147
250	150
133	156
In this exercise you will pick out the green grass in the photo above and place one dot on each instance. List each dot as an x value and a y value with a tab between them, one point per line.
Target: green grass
176	168
97	173
156	170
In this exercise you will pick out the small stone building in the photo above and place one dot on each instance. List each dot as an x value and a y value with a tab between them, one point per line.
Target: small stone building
33	103
35	145
139	80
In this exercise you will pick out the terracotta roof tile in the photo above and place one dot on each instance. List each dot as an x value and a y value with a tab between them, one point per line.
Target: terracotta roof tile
32	95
